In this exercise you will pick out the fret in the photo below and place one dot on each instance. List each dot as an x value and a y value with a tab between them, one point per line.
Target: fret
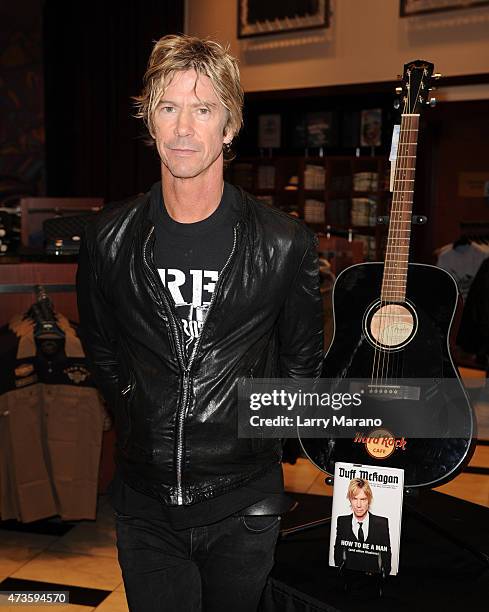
395	292
403	180
391	283
404	191
399	293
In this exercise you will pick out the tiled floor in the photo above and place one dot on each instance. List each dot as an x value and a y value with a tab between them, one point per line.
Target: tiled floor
85	556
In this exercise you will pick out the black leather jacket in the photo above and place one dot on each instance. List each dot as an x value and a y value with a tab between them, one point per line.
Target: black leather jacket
176	415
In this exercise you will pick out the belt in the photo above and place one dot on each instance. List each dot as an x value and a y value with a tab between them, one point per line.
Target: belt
274	504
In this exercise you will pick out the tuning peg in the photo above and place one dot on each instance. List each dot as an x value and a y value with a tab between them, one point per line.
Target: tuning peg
398	90
431	102
397	103
399	77
437	76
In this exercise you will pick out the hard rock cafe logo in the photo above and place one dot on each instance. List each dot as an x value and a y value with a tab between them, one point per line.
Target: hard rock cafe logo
77	374
380	443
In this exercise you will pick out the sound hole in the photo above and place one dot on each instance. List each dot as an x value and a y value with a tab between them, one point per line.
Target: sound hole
392	325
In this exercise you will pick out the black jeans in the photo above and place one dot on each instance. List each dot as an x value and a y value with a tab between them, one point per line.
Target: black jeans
216	568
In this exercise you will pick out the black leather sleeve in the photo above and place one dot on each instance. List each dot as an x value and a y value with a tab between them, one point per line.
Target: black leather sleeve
98	333
301	320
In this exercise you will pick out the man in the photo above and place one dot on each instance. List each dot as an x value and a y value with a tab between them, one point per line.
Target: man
365	528
183	292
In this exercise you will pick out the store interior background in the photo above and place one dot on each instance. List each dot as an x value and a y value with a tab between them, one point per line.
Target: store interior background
68	71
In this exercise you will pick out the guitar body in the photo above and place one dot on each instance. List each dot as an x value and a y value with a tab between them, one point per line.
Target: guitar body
421	352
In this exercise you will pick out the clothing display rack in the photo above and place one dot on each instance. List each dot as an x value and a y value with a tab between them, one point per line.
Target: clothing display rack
32	288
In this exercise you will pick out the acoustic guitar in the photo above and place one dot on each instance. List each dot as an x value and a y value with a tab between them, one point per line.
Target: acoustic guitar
392	323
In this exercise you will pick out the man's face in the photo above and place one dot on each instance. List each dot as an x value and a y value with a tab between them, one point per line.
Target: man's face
359	505
189	127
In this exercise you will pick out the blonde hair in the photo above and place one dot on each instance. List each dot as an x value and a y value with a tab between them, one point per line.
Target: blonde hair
357	484
176	53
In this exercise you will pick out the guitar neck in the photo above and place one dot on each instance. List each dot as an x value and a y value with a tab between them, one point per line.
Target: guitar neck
399	236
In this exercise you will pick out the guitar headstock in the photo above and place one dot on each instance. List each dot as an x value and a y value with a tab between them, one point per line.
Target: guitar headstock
416	86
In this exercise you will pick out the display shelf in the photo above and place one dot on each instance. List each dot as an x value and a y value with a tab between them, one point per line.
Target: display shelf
301	184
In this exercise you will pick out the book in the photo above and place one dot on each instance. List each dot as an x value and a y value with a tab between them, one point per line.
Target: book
269	131
371	128
366	517
320	129
314	211
314	177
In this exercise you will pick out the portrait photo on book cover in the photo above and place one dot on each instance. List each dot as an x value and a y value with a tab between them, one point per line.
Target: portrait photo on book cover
365	527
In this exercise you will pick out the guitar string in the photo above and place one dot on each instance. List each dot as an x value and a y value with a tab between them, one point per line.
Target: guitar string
399	242
403	237
408	188
385	335
401	232
405	206
412	152
393	272
383	312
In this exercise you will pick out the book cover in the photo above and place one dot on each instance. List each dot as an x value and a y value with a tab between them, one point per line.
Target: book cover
269	131
366	519
371	128
320	129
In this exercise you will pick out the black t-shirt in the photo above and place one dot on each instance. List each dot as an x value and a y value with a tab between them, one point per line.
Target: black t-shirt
190	258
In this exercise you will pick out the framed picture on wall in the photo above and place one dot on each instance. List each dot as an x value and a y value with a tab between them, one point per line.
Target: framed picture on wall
418	7
260	17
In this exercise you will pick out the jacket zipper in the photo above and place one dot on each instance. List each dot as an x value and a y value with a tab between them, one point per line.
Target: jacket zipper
186	378
183	407
126	390
181	357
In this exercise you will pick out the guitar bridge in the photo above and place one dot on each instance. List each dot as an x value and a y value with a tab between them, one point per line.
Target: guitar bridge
387	391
